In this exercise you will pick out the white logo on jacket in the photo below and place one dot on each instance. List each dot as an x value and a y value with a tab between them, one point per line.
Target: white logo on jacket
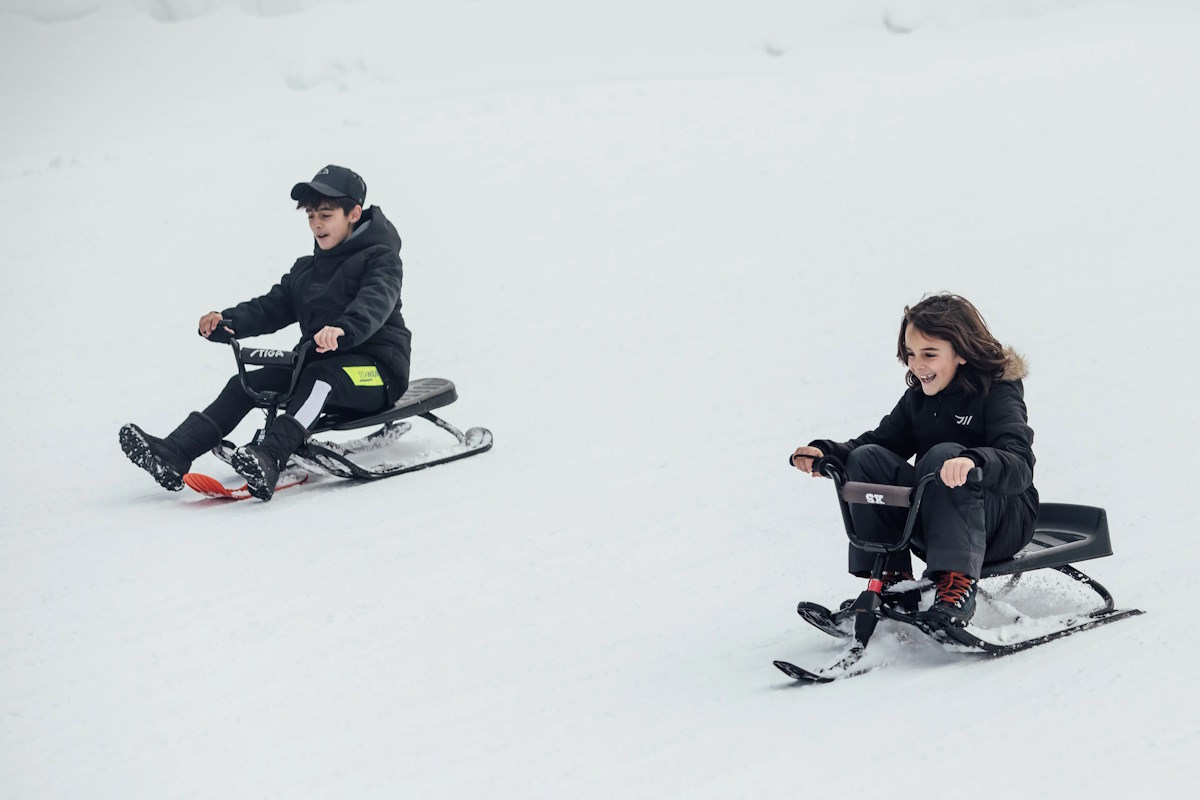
963	420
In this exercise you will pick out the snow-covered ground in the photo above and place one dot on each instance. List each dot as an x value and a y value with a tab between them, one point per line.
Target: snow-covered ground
657	245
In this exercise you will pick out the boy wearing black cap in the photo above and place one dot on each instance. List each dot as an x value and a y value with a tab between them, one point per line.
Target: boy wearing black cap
346	298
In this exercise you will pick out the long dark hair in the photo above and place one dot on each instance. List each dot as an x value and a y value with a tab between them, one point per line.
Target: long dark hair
952	318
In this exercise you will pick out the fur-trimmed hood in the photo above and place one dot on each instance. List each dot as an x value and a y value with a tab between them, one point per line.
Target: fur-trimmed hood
1015	366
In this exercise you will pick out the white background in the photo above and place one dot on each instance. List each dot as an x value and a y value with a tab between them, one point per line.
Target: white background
657	246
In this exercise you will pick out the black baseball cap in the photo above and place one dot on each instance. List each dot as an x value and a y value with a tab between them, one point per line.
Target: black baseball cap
334	181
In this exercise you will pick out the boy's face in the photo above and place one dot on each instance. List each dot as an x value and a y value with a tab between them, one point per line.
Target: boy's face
330	225
933	361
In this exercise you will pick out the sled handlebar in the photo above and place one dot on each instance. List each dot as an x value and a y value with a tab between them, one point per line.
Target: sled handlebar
879	494
263	357
828	465
269	357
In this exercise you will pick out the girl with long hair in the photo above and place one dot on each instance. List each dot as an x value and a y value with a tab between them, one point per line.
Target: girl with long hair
964	408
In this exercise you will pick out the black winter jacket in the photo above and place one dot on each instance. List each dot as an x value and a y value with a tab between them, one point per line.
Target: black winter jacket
354	286
993	427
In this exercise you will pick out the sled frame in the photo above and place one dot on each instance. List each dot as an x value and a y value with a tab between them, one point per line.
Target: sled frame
420	399
1064	533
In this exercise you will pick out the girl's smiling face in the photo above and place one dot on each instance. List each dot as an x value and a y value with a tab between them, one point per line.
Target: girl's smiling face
932	361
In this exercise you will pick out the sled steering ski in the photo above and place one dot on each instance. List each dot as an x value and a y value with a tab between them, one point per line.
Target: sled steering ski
1064	534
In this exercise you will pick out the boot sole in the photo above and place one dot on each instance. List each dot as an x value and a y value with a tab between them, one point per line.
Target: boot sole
248	467
137	449
942	617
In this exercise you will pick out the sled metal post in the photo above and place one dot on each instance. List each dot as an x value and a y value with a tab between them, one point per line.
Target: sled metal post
446	426
1091	583
866	607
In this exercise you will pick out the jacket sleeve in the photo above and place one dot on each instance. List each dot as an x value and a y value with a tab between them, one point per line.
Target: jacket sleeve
1007	460
376	298
265	314
895	433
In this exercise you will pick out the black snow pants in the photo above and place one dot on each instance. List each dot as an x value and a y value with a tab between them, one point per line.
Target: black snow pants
345	382
956	530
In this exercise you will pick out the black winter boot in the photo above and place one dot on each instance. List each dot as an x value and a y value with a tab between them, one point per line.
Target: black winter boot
168	459
260	464
955	604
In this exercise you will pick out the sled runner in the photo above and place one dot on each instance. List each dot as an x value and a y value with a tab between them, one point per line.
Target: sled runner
342	459
1064	534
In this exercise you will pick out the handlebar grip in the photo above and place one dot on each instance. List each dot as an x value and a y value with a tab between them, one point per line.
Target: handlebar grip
792	459
974	476
219	334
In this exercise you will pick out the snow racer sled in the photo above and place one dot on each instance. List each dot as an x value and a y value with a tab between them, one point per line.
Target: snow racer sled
343	459
1064	533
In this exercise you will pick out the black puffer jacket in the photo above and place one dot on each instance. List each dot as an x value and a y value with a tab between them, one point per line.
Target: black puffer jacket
993	427
354	286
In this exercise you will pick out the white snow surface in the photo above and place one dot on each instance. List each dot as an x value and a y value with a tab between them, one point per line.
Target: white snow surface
657	245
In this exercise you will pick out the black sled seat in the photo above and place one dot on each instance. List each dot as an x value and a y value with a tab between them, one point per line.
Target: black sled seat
423	396
1064	533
